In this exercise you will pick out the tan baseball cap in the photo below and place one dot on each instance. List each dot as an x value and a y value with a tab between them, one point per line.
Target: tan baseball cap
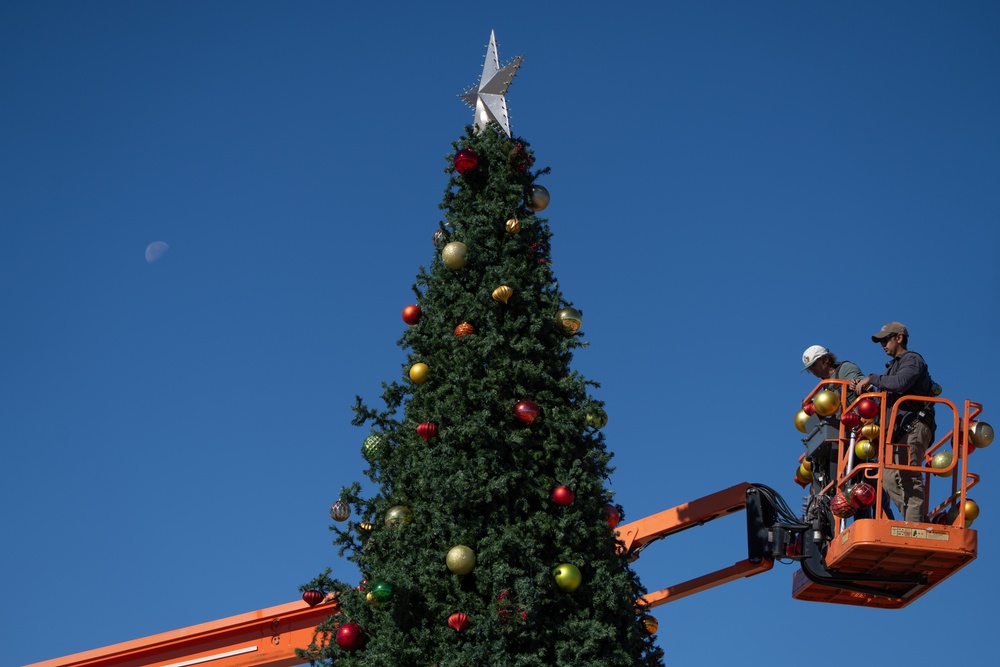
890	329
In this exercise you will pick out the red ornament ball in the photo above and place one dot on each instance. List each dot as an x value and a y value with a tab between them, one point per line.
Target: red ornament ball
466	160
464	329
563	496
526	411
350	636
841	506
411	314
427	430
611	512
809	409
863	495
313	597
867	408
850	420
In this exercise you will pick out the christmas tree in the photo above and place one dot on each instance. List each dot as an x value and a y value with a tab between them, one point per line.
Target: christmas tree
490	539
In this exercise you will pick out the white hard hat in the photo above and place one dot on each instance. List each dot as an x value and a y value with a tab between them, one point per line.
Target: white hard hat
812	353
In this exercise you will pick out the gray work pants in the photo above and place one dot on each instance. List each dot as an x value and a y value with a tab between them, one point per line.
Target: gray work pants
906	488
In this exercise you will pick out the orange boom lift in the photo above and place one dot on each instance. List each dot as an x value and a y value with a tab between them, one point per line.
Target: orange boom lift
874	561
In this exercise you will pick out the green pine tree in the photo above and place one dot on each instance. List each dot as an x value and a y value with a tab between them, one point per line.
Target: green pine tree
486	479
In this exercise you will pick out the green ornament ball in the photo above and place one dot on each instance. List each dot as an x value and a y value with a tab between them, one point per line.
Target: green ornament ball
597	419
374	448
568	577
398	515
381	591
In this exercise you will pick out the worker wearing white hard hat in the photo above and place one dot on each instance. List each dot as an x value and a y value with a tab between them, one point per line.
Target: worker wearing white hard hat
822	363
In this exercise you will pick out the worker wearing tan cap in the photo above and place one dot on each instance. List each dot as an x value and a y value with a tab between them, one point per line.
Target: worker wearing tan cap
906	373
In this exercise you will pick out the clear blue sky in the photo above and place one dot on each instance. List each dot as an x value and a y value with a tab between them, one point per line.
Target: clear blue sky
731	183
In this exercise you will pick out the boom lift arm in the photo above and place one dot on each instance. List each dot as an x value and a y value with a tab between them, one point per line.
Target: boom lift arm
766	537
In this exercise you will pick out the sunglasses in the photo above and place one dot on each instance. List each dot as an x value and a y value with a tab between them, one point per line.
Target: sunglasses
886	340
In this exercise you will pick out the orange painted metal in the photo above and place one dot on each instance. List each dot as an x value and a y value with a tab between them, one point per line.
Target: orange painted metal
740	570
890	548
266	637
637	535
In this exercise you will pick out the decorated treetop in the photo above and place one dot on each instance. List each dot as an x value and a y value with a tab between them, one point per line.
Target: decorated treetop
488	96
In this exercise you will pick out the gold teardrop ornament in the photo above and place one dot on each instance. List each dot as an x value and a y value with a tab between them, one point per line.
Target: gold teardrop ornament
503	293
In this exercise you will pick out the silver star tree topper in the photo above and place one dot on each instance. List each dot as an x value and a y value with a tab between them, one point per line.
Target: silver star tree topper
487	98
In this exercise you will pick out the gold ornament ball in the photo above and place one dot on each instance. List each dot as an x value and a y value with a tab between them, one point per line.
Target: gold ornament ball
569	319
865	450
454	255
826	403
503	293
419	372
371	598
808	465
651	624
513	225
397	516
940	461
801	417
537	199
971	512
870	431
804	473
981	435
461	559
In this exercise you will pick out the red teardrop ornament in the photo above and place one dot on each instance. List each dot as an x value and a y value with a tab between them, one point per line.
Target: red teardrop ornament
427	430
458	621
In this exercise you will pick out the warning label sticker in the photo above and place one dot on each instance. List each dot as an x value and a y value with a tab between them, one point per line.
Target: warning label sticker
919	533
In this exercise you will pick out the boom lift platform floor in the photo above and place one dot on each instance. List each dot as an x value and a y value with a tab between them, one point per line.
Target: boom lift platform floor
892	549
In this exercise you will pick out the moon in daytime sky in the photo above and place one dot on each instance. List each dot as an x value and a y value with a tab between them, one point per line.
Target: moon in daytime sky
156	250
